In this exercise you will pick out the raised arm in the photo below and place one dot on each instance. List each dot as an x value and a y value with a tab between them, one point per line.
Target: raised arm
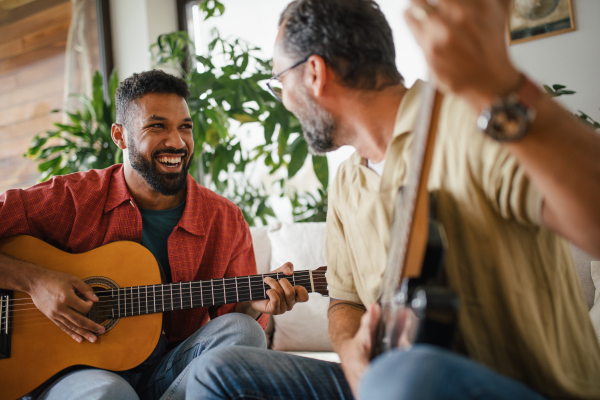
465	47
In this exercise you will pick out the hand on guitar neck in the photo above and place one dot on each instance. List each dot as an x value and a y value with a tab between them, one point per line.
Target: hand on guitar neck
282	296
54	294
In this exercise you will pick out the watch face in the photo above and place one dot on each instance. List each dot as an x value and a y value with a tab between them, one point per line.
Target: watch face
504	121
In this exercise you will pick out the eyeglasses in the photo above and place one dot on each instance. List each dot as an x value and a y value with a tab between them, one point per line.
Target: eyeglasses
274	84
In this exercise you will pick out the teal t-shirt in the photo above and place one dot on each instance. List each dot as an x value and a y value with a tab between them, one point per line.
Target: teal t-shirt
157	227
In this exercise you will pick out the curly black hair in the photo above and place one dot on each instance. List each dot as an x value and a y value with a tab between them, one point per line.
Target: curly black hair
139	85
352	36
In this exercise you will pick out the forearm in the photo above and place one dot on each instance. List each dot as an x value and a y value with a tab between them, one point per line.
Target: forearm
246	308
344	321
561	155
16	274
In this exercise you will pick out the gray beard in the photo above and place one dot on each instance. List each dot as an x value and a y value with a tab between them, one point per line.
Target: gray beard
318	125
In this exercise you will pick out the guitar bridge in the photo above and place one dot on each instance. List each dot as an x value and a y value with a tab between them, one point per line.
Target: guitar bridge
5	321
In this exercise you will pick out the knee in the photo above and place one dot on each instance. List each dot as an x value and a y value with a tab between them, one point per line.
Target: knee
241	329
409	374
90	384
215	373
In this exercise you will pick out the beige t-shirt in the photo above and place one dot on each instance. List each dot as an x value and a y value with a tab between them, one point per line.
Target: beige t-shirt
522	311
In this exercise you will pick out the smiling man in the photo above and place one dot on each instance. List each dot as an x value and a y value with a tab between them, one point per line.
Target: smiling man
194	233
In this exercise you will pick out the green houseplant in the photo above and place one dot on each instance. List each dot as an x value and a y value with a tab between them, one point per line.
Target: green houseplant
85	141
224	99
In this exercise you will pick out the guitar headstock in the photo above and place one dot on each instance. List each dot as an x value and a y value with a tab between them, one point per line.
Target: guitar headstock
320	281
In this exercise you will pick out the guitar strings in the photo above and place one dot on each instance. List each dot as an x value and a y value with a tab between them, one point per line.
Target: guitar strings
219	281
39	317
181	287
158	299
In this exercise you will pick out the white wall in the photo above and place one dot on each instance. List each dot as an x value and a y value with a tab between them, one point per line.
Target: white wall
571	59
135	25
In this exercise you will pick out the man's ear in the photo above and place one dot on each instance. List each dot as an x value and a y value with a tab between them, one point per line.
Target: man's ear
316	75
117	132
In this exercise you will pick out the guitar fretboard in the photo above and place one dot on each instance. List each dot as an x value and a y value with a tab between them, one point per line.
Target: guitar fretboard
140	300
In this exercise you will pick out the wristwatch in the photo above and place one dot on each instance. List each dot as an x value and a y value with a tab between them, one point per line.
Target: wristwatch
509	117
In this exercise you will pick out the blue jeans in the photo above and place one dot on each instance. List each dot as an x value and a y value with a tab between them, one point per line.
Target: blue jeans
167	379
424	372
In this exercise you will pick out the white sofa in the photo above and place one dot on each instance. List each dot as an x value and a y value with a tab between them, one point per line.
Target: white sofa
304	329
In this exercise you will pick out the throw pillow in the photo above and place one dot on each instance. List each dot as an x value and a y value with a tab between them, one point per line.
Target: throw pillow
262	248
305	327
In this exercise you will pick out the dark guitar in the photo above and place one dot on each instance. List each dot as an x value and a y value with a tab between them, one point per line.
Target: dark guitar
126	278
413	281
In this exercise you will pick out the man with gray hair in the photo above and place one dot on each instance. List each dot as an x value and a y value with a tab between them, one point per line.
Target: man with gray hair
523	328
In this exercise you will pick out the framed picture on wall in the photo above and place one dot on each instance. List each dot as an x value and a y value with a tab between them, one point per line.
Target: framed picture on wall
534	19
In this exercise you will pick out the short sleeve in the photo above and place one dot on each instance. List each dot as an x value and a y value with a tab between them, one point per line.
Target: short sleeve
502	181
13	219
340	279
507	187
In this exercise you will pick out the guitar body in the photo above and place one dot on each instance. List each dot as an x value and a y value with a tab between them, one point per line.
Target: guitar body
39	349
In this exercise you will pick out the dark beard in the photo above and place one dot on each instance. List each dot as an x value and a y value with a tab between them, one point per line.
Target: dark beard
167	184
318	125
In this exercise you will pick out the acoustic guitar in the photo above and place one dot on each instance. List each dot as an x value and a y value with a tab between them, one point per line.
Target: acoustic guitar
126	278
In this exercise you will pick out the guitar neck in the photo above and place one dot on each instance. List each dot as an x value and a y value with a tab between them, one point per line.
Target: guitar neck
140	300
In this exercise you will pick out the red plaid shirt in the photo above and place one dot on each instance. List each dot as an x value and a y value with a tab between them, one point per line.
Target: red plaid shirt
82	211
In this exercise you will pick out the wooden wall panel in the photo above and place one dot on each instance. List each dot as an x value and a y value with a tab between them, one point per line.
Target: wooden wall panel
32	61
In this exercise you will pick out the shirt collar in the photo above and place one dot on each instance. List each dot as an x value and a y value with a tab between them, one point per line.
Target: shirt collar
406	118
192	219
117	190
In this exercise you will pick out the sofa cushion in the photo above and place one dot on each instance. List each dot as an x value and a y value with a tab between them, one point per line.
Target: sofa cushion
262	248
305	327
595	311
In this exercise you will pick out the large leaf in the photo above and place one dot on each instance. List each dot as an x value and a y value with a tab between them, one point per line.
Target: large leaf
321	168
298	157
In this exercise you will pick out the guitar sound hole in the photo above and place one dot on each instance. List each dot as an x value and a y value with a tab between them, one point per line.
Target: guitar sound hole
101	312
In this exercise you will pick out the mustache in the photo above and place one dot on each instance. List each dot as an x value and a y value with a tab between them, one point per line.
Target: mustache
170	150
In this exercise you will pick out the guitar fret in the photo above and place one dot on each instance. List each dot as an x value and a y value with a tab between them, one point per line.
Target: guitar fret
201	296
250	287
237	294
112	297
162	291
264	288
146	292
171	290
191	297
224	292
213	291
180	296
154	297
